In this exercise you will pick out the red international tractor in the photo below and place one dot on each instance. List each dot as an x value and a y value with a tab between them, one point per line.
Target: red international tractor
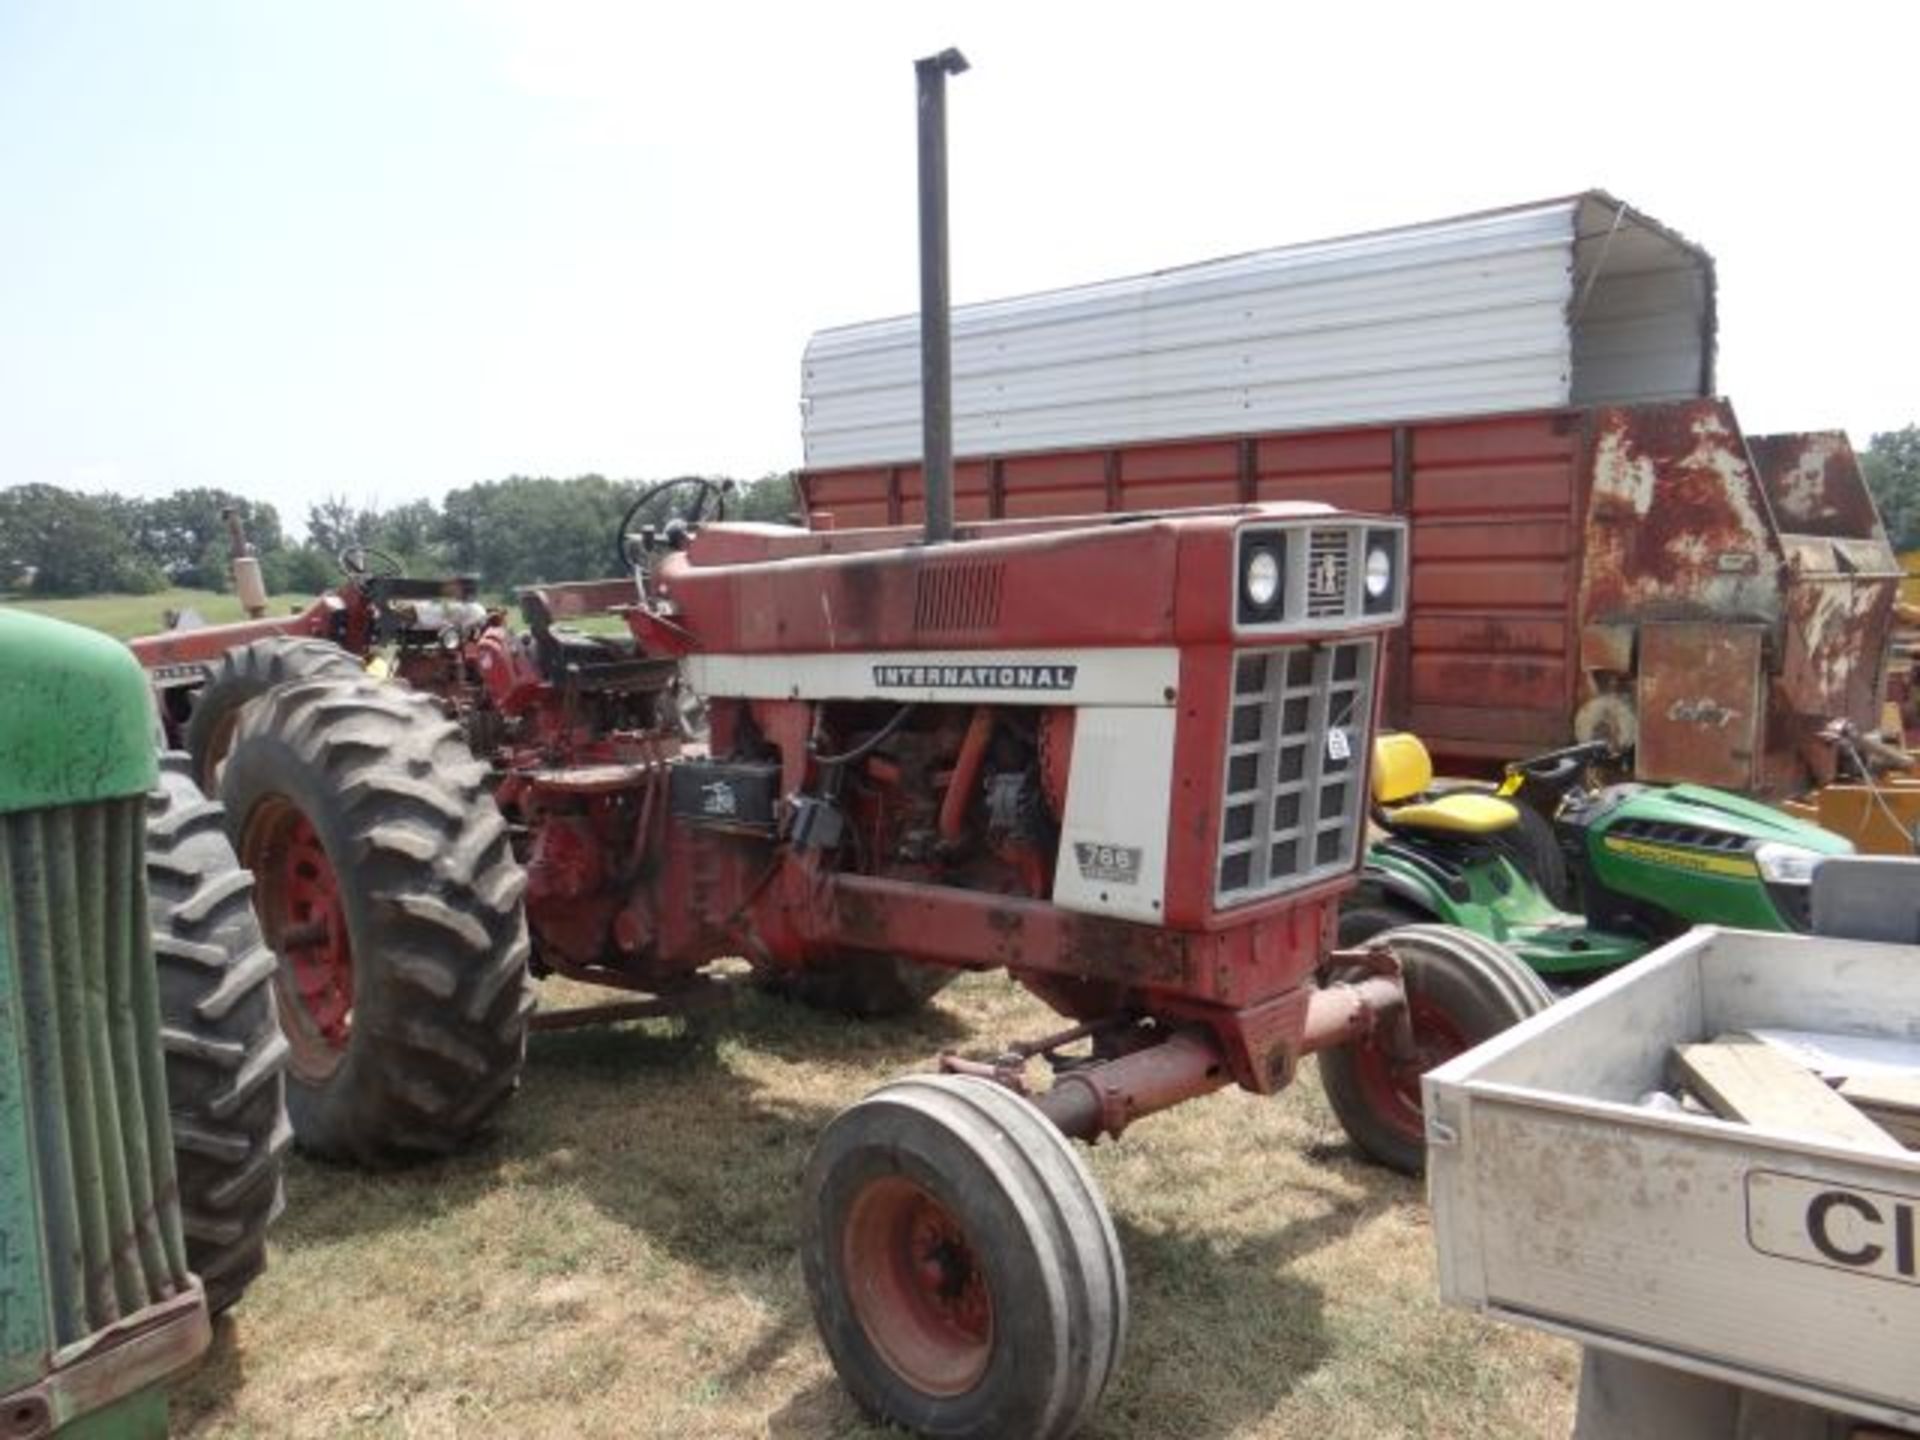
1122	758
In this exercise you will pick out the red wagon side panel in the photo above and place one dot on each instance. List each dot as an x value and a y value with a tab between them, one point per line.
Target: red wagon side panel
1485	667
1495	570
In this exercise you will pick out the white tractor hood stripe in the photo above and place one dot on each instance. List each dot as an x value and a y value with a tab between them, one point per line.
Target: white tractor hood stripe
1146	675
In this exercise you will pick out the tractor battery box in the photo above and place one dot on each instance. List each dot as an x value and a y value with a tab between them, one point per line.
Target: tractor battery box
723	795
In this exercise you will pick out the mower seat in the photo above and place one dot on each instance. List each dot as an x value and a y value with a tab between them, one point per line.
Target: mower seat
1402	771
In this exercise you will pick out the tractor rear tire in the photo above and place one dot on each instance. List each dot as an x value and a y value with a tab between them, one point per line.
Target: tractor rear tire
962	1268
862	986
226	1060
1366	913
1535	851
1531	845
1462	989
386	886
246	672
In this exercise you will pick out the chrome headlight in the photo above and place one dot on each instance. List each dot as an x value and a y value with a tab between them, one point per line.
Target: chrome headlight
1262	580
1379	573
1263	577
1380	576
1787	864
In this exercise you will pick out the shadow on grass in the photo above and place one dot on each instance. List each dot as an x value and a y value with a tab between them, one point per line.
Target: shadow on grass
1219	1333
210	1389
654	1128
1224	1329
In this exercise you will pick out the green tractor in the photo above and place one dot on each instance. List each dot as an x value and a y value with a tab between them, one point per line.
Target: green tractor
1640	863
142	1095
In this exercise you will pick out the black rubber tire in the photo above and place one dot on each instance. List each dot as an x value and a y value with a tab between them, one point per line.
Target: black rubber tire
1535	851
1366	913
246	672
226	1060
1480	989
1034	1221
433	901
1532	845
862	986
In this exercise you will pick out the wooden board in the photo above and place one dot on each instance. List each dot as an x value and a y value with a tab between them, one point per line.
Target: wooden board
1748	1080
1891	1101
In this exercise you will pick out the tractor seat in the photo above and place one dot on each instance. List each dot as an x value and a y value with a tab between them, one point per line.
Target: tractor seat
1402	771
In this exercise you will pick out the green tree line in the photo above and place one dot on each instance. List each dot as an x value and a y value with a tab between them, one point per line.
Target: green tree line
1892	467
508	532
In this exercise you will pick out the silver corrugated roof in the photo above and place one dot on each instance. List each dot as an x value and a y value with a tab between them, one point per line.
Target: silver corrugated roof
1580	300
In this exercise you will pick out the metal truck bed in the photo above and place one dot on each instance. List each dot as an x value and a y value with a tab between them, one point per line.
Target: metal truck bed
1775	1261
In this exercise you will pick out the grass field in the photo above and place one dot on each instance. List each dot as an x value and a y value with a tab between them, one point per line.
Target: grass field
124	616
620	1262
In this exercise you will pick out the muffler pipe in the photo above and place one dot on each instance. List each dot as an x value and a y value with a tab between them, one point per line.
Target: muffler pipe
936	328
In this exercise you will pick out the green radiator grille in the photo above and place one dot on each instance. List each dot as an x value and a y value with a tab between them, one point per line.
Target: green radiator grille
77	989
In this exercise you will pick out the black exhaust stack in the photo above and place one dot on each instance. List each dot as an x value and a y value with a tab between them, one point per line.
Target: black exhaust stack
936	330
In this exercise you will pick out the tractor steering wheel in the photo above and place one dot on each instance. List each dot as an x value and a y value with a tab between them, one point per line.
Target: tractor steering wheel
696	510
365	562
1558	771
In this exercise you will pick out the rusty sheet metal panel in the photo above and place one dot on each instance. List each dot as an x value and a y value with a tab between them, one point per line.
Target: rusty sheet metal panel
1677	525
1815	485
1493	574
1839	618
1701	701
1842	583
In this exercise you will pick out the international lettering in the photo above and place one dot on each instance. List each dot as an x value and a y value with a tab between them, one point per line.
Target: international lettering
977	676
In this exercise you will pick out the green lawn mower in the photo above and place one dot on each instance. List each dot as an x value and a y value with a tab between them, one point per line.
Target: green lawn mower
1642	863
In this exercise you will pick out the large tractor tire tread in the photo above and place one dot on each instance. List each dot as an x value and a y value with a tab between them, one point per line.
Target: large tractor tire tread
1463	989
1033	1220
226	1059
433	902
246	672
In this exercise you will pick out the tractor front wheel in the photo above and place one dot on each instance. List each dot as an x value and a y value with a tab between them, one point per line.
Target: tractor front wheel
226	1061
244	673
962	1268
1461	989
385	885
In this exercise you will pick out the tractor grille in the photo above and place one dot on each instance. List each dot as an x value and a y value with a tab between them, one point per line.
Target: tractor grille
957	597
1329	571
78	986
1297	737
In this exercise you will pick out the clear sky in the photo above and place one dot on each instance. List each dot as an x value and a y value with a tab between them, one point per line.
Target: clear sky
382	249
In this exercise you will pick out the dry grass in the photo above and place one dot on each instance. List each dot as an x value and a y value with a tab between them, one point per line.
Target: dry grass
620	1262
125	616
